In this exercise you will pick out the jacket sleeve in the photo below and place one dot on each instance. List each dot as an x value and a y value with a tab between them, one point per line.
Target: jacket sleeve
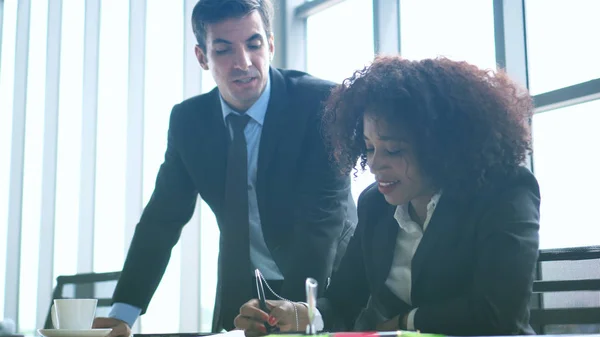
349	290
169	209
506	253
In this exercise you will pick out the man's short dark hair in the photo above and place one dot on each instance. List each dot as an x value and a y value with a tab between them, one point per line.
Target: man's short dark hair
213	11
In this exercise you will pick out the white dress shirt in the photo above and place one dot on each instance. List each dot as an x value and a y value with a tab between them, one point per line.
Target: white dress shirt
409	237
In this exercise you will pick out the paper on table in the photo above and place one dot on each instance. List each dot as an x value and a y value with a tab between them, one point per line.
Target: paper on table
363	334
232	333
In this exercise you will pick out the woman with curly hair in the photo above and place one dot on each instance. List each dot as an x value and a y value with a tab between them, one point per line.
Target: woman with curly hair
447	237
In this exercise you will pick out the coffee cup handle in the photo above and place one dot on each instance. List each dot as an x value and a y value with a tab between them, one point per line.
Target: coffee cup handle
54	317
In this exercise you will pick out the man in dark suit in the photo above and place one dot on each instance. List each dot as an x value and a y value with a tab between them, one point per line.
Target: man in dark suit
252	149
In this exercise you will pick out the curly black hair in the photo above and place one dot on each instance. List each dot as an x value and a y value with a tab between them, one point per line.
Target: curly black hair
465	123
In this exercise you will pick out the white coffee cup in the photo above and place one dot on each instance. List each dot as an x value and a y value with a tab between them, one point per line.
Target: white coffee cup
73	314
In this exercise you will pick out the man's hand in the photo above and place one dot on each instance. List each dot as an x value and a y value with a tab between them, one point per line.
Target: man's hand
119	328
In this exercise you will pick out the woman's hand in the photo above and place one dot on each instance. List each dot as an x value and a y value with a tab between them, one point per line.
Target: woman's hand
281	314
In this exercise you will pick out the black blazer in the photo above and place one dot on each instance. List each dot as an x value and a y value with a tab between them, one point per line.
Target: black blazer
472	273
306	209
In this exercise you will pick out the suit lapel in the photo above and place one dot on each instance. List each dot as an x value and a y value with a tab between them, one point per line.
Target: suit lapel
215	140
276	124
383	245
443	223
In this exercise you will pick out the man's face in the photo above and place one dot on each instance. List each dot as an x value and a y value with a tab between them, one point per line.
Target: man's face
238	54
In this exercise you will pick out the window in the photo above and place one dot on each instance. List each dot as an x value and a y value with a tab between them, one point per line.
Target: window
164	55
335	49
460	30
562	43
164	88
566	165
69	139
340	40
208	83
7	39
32	178
111	141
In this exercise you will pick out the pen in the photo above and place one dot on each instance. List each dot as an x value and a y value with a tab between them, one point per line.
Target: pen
262	299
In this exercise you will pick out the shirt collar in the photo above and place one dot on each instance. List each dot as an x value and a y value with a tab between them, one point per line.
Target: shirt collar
404	220
257	111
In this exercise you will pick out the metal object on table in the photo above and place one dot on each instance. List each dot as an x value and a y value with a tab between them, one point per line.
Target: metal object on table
311	300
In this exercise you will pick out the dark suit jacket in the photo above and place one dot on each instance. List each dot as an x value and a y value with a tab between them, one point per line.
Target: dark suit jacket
472	273
305	205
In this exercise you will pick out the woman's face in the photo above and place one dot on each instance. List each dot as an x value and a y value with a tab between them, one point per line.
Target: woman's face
391	159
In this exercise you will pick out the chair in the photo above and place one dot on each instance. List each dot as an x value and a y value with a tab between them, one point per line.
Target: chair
91	285
567	291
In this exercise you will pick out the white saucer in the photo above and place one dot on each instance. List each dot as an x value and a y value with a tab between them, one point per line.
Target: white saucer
74	333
